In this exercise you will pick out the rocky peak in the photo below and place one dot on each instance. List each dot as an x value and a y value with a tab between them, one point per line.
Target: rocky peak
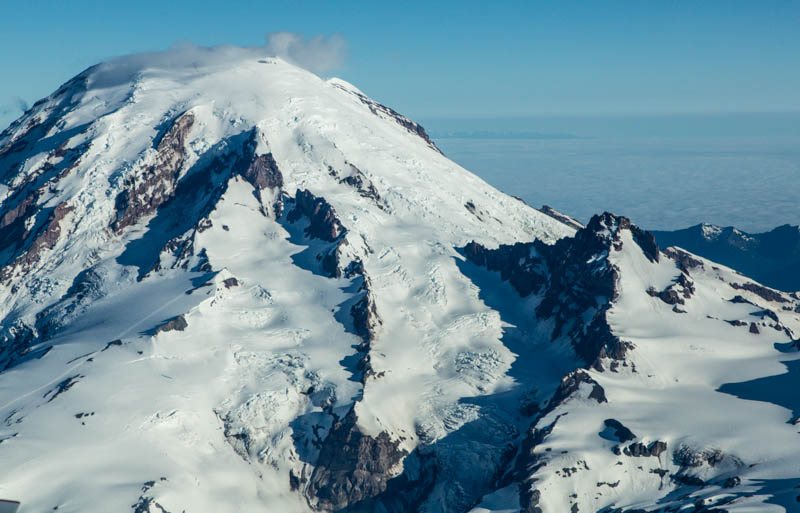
576	279
605	229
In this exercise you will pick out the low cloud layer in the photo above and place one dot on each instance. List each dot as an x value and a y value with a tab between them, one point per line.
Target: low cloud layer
319	54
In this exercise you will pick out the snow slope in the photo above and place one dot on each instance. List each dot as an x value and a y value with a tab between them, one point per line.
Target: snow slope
231	285
697	411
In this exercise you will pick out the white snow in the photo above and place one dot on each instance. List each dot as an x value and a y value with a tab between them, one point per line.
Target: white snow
157	405
227	408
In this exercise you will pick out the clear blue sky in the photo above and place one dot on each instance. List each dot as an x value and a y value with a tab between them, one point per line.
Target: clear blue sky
453	59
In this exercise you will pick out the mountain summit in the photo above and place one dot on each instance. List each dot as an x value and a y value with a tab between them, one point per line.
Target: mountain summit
227	284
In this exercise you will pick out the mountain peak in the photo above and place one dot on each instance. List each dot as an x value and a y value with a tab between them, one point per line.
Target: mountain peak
238	269
606	228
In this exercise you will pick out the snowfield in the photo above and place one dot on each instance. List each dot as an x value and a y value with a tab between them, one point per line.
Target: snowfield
235	286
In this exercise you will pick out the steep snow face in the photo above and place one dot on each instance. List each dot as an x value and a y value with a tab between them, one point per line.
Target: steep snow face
695	414
235	286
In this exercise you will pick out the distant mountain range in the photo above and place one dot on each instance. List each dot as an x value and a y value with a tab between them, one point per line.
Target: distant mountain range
772	258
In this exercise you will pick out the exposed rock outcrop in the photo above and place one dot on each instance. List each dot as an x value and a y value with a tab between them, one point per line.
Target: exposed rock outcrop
583	280
519	264
639	449
761	291
528	462
359	181
15	342
685	260
323	223
352	466
175	324
576	280
144	192
36	240
261	171
564	218
676	293
686	456
384	111
571	383
622	433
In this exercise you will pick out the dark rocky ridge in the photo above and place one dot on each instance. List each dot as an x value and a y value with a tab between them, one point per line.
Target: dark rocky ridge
761	291
323	223
621	433
571	275
26	228
528	462
571	384
143	194
559	216
261	171
38	239
366	323
378	109
686	262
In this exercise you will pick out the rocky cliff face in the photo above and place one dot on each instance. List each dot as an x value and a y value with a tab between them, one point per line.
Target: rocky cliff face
576	282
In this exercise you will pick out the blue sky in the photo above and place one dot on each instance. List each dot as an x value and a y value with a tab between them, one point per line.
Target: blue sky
453	59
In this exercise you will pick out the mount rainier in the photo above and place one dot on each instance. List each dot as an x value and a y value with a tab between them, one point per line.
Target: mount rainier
230	285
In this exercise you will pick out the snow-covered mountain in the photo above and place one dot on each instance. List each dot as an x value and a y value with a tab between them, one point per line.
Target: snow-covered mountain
772	258
230	285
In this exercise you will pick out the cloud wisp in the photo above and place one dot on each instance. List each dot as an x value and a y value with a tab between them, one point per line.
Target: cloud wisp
319	54
17	104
